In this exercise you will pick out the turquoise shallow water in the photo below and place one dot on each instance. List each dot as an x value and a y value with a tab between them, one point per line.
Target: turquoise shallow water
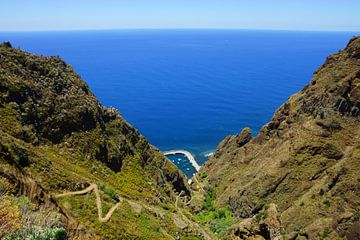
188	89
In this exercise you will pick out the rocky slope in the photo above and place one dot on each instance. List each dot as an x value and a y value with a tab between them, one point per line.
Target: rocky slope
56	137
299	177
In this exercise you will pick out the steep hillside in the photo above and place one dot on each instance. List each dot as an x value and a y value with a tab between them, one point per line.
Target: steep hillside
300	176
56	138
71	168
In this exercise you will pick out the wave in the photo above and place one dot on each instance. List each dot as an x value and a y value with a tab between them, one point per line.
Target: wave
208	153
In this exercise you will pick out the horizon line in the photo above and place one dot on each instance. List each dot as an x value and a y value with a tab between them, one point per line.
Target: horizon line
182	28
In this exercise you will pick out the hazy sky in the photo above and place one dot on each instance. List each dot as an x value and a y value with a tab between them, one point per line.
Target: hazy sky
343	15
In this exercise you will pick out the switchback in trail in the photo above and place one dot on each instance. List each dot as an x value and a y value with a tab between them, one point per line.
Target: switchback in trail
94	187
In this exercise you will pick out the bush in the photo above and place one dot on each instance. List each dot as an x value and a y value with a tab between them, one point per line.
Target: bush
209	201
38	234
109	191
218	220
325	233
50	234
262	214
19	221
6	187
203	175
356	214
327	203
10	217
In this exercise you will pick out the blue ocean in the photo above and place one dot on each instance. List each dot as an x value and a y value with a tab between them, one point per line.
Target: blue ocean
188	89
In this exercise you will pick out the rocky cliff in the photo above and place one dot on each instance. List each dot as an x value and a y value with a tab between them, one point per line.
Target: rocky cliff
55	137
299	177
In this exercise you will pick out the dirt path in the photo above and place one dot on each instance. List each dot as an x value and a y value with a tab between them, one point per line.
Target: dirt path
94	187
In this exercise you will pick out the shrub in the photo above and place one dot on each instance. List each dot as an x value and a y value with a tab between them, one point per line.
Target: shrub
356	214
38	234
6	187
10	217
6	44
209	200
325	233
262	214
218	220
327	203
28	223
223	221
203	175
109	191
258	217
50	234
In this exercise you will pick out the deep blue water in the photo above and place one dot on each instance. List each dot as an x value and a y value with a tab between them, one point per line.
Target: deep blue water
188	89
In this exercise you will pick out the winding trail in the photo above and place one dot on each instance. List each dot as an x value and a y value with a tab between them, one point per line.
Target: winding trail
187	154
94	187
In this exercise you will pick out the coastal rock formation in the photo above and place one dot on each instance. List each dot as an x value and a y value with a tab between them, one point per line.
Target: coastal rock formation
305	160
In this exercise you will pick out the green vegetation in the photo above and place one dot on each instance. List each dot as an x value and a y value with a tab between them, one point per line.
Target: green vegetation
36	234
8	119
209	201
21	220
262	214
325	233
349	98
218	220
326	203
109	191
356	214
10	216
203	175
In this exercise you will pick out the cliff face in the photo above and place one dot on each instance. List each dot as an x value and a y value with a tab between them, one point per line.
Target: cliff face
56	137
304	164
